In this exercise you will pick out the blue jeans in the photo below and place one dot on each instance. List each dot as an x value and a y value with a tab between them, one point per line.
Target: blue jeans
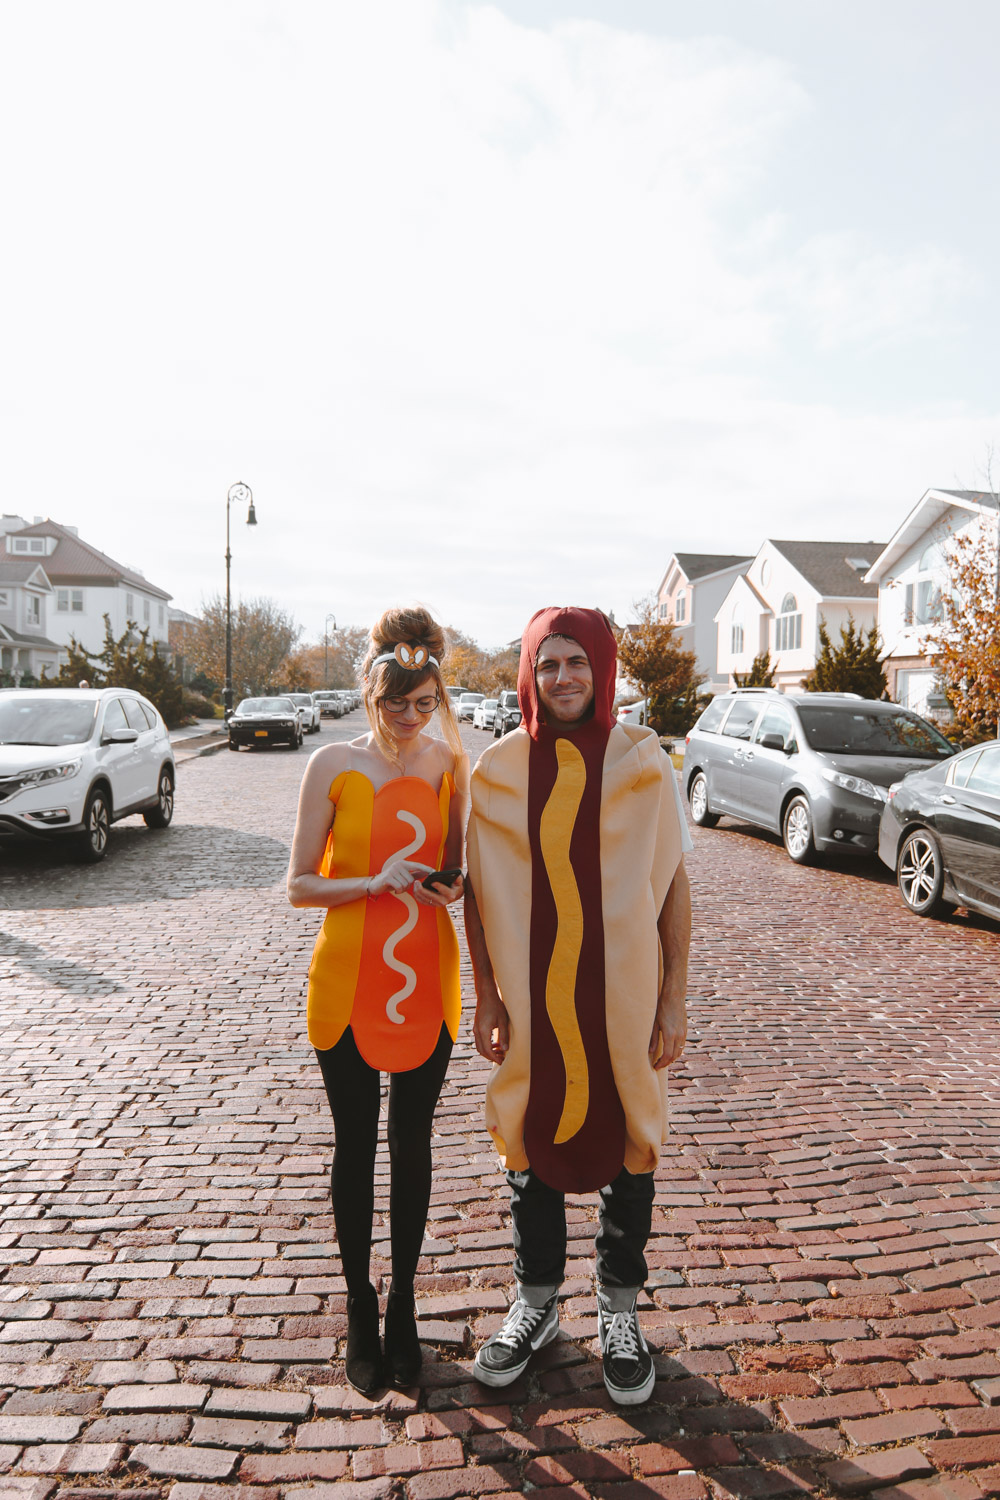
538	1213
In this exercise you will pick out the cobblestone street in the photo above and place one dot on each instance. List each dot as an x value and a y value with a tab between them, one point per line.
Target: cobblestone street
824	1295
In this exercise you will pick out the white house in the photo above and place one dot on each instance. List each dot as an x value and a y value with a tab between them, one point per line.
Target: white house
25	600
690	592
86	584
776	605
910	573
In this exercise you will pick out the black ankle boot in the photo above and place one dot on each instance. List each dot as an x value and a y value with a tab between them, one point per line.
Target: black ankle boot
402	1346
363	1361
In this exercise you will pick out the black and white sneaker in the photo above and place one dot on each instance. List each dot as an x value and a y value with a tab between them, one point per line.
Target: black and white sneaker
525	1328
628	1365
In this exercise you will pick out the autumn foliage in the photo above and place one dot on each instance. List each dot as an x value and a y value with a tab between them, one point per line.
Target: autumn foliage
965	643
650	656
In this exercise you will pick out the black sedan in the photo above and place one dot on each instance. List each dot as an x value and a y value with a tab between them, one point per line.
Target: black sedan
265	721
940	832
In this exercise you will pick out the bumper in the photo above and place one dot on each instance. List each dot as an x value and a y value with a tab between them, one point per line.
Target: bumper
25	831
262	736
852	823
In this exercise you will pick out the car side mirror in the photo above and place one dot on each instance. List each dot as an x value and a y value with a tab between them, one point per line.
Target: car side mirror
772	741
120	737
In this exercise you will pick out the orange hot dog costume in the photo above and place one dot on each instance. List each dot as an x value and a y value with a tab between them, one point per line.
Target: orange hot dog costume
573	843
387	967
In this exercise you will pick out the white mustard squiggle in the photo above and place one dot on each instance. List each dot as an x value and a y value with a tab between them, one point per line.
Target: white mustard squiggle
406	972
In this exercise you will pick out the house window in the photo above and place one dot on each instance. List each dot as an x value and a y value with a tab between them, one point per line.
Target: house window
34	609
680	609
145	610
788	626
129	606
736	633
69	599
160	615
4	599
664	611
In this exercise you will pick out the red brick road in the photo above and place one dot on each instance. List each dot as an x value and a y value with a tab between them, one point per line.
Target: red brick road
825	1286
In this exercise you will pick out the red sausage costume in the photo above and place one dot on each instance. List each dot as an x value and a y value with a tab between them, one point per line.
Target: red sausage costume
388	968
583	864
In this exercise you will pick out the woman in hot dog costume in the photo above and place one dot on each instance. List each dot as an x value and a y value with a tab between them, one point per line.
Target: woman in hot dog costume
578	918
376	816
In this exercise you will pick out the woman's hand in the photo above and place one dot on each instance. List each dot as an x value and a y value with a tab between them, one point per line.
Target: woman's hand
439	895
397	876
669	1031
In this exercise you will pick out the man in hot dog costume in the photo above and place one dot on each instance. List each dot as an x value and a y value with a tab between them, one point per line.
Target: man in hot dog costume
578	918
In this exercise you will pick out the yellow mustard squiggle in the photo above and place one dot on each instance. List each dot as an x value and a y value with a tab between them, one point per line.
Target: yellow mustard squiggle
555	832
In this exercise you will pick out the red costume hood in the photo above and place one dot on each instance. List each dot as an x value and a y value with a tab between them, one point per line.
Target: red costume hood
589	627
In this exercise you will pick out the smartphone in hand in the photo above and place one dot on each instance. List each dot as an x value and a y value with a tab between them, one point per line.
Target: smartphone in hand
440	877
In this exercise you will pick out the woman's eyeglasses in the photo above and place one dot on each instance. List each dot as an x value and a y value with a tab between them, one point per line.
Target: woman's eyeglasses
400	705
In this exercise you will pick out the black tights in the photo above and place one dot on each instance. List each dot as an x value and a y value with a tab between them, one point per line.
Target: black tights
353	1089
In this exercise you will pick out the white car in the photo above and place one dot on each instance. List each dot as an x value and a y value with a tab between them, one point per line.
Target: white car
467	704
484	714
310	711
634	713
75	760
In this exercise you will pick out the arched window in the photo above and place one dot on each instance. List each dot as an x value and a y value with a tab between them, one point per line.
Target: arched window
923	596
788	625
736	632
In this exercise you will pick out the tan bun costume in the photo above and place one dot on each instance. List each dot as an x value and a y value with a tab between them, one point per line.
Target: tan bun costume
573	843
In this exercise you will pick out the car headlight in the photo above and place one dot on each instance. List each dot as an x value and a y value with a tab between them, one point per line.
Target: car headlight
50	773
856	784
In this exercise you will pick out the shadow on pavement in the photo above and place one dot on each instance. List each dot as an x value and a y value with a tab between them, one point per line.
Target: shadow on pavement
141	865
62	973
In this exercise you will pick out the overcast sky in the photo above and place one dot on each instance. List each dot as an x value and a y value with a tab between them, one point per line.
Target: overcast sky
493	306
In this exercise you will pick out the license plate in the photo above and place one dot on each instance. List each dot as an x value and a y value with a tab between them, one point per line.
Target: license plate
260	734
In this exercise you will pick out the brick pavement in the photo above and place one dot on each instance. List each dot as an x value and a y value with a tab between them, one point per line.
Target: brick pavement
824	1295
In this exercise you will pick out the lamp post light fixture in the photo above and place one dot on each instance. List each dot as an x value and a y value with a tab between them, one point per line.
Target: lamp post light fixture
238	492
326	647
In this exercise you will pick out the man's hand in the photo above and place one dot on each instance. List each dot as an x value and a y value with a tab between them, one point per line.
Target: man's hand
491	1027
669	1031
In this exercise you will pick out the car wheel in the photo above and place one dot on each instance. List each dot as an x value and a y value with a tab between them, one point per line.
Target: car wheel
701	813
797	832
233	745
93	841
920	874
160	815
294	742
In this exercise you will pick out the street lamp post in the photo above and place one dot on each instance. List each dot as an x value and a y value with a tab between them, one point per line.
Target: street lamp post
326	647
238	492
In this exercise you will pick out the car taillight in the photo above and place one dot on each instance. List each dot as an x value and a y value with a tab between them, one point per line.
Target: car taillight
687	739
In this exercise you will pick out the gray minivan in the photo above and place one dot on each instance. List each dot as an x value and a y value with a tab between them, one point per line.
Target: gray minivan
812	767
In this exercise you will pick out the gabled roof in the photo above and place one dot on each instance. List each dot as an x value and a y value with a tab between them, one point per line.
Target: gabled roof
738	585
932	505
698	565
18	638
74	561
23	570
836	570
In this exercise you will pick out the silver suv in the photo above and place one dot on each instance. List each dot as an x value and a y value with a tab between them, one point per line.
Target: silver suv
813	767
75	760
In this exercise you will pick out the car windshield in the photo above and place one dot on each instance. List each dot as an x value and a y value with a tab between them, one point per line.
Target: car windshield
265	706
869	731
472	698
302	698
46	721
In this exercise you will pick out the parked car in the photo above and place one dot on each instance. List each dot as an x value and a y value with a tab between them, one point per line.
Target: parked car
74	761
940	833
634	713
506	708
812	767
466	705
484	714
310	711
330	705
265	721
